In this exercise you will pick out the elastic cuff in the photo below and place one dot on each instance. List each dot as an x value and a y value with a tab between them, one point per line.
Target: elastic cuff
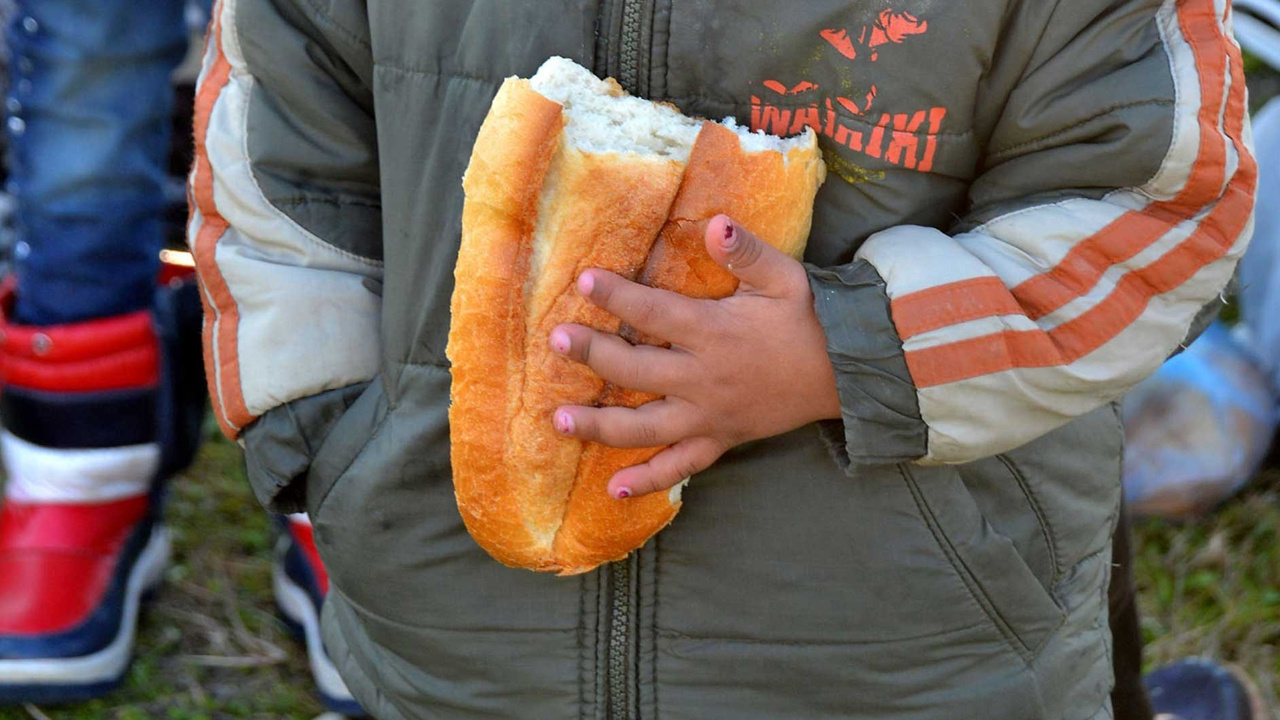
280	445
880	416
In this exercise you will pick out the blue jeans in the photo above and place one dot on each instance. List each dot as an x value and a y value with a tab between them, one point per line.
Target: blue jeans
89	106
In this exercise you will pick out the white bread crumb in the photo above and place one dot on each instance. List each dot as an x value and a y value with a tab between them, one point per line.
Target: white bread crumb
601	121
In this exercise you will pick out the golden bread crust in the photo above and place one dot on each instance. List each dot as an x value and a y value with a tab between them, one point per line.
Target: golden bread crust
486	337
603	211
537	213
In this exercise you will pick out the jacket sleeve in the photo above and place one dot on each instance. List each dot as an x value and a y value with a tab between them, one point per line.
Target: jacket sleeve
1069	280
285	229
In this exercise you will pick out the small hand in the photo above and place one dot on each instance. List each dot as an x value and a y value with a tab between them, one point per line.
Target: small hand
746	367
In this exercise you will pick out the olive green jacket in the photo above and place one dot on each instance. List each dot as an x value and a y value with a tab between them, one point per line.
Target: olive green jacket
1029	202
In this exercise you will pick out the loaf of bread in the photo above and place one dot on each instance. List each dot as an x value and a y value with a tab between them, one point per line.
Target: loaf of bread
568	172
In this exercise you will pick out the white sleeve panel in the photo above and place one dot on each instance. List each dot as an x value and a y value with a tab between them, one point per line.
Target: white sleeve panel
1047	312
287	314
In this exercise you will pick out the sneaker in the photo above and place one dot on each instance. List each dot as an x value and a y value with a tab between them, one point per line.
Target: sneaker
1200	689
72	580
80	541
300	583
95	414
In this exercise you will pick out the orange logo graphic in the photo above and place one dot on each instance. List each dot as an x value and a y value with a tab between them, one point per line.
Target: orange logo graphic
911	136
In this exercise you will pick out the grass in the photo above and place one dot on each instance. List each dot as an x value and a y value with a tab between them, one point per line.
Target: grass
1212	587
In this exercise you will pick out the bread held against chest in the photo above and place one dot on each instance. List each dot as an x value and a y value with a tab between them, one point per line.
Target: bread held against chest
568	173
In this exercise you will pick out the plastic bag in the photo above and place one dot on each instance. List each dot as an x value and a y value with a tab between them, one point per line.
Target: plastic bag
1197	429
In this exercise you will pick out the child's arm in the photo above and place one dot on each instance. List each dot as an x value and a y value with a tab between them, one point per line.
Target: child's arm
1071	280
1113	204
286	231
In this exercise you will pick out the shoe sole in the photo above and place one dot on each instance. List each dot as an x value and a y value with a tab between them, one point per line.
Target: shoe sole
298	612
88	676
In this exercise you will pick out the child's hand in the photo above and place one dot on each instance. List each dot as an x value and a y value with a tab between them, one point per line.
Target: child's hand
746	367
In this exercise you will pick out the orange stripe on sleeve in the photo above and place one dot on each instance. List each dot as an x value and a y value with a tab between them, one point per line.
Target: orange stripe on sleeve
919	312
1070	341
220	306
1083	266
1133	232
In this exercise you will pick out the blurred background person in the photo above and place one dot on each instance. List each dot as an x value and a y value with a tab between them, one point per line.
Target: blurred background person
100	354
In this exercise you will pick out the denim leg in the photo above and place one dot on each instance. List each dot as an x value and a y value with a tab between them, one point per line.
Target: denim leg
88	128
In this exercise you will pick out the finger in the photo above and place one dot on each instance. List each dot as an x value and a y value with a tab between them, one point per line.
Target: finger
636	367
672	317
760	266
654	424
666	469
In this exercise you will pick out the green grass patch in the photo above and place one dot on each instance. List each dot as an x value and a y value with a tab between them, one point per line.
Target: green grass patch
1212	587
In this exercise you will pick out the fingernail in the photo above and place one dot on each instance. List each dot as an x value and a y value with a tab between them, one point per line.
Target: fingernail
730	236
560	341
564	422
623	493
585	283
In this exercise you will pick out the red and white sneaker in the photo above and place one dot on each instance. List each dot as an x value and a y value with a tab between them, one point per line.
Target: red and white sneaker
72	579
80	539
300	584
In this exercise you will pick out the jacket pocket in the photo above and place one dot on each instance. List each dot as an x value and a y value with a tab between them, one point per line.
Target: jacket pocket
996	574
344	443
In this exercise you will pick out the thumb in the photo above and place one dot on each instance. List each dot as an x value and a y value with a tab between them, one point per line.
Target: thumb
759	266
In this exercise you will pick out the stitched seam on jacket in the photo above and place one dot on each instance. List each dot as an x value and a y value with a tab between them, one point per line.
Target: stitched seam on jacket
390	699
1176	125
307	235
351	664
1044	28
975	589
582	647
998	153
436	73
1108	642
431	628
337	479
436	365
1041	519
1113	518
337	202
1178	91
677	635
300	200
348	35
984	228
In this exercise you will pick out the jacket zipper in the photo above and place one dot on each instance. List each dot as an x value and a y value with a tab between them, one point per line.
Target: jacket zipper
618	676
629	45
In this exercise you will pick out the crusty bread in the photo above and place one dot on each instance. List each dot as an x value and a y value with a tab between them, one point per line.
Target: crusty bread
568	173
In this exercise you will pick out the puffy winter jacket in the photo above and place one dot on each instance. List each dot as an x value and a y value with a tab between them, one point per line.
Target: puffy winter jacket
1028	204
